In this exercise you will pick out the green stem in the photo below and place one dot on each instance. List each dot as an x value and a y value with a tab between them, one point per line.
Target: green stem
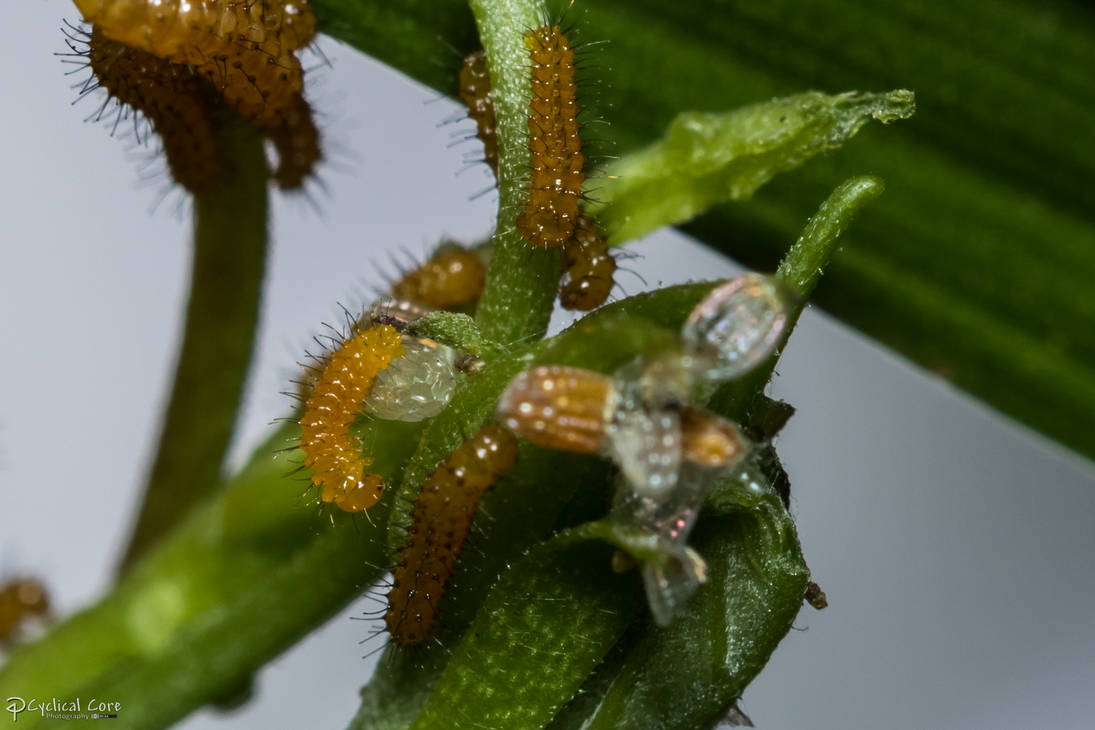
522	281
799	273
218	339
241	579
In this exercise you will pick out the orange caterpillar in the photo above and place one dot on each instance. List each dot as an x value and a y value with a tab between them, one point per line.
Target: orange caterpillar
455	276
475	93
589	268
440	524
20	599
176	102
337	462
244	47
556	177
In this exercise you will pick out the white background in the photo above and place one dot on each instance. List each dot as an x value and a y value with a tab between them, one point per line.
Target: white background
955	546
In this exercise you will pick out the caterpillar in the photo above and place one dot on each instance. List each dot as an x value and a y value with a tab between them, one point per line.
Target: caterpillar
710	442
21	599
454	277
440	523
296	140
244	47
556	162
560	407
589	268
339	467
475	93
176	102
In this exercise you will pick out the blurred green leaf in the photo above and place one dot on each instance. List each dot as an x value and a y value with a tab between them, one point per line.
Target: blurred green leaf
706	158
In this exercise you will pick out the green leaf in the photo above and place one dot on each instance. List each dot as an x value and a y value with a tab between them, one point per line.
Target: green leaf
540	633
687	675
219	597
707	158
978	266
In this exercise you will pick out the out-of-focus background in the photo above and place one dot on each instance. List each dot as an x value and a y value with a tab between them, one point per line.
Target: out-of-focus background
955	546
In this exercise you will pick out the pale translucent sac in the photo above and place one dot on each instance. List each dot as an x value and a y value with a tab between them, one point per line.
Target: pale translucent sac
671	512
669	516
737	326
647	448
669	584
415	386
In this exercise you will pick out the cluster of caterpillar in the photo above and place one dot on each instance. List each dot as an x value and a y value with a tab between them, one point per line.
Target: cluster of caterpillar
554	146
440	523
244	47
149	54
21	600
340	385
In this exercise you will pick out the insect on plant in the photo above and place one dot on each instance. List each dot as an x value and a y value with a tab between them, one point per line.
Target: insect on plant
559	513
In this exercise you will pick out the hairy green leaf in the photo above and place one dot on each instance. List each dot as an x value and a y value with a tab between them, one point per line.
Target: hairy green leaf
687	675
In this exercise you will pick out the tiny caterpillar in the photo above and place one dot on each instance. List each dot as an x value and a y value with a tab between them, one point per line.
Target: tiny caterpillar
440	524
21	599
245	48
337	462
710	442
177	102
560	407
589	269
555	180
452	278
475	93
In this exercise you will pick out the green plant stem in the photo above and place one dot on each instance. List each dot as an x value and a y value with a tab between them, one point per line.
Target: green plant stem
229	261
241	579
522	280
799	273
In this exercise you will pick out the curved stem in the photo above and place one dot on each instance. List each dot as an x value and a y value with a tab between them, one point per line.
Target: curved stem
522	281
218	338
